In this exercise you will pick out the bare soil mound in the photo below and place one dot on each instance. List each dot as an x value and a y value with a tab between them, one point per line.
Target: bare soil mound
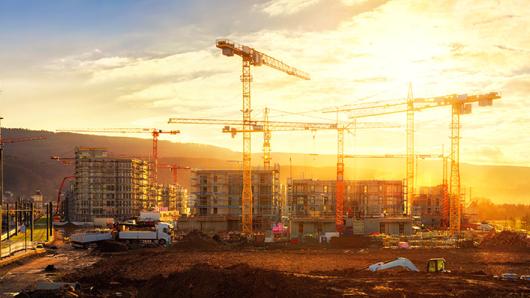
197	240
240	280
506	240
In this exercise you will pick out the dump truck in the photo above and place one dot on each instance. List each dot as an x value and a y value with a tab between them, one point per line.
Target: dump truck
160	235
84	239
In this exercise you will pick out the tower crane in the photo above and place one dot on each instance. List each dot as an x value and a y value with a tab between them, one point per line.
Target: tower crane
174	169
153	131
460	104
266	127
251	57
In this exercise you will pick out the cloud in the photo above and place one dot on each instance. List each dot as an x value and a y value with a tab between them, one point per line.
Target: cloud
353	50
286	7
353	2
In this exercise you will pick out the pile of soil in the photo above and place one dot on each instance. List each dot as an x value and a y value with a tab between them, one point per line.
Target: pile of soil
111	246
355	241
198	240
506	239
240	280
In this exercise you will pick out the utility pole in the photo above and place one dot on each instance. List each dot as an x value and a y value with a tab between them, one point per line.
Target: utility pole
32	219
47	222
7	221
50	218
1	183
16	217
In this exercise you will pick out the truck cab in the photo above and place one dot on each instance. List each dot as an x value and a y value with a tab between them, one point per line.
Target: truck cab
164	232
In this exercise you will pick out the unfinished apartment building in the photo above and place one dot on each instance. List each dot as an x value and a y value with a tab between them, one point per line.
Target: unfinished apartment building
363	198
172	197
428	205
311	205
215	199
108	187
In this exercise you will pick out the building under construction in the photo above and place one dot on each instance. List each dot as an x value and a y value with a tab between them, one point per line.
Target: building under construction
108	186
428	205
172	197
215	200
370	206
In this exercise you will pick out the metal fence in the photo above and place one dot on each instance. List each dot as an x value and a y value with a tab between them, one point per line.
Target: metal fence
10	248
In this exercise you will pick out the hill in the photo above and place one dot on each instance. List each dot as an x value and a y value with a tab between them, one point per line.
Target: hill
28	165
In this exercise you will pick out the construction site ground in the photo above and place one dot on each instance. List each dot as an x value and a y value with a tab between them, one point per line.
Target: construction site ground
294	272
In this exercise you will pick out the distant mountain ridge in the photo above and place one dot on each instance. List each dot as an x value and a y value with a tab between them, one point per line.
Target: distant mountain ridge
28	166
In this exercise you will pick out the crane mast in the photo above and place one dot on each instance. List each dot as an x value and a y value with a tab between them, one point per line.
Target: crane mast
454	182
410	167
266	141
250	57
339	187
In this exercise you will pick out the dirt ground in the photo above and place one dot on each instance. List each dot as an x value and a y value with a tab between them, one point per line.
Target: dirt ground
310	272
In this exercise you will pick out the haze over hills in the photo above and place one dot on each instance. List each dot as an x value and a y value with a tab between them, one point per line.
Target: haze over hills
28	165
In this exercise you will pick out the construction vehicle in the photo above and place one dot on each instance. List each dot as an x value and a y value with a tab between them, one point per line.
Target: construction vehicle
436	265
57	216
84	239
159	234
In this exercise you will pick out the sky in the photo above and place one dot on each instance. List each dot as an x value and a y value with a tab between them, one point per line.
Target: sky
69	64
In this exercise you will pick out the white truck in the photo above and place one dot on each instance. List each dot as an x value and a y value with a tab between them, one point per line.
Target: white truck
86	238
160	235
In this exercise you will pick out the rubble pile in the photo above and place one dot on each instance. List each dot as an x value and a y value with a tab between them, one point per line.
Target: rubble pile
240	280
505	239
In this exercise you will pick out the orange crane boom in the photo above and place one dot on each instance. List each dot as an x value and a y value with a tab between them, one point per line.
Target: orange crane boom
251	57
153	131
256	126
